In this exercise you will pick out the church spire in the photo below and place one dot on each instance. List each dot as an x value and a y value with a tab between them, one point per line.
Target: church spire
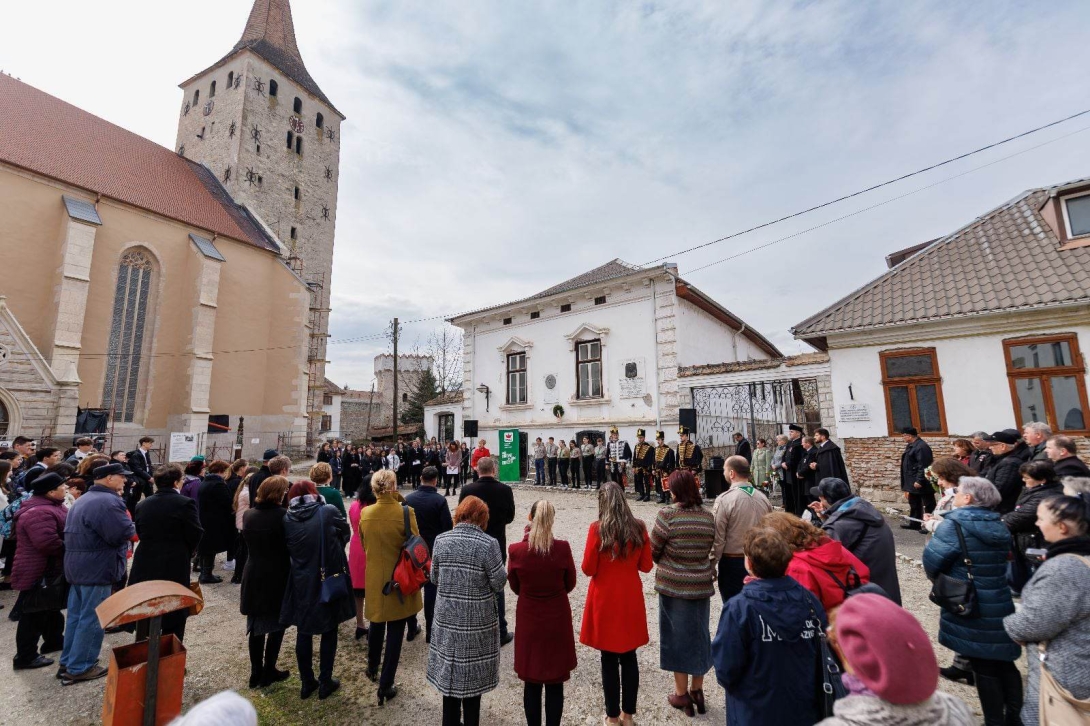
270	21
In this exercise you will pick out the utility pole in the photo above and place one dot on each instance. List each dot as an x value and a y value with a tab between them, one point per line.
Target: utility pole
395	381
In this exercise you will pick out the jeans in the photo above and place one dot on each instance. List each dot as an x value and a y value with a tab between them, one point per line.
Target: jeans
502	610
620	681
539	470
393	633
83	635
461	711
551	462
554	703
47	626
304	654
732	576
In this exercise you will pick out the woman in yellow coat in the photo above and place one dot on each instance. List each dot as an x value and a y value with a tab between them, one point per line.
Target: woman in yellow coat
382	531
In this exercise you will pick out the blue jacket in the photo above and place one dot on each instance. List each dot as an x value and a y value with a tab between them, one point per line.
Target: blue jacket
988	541
432	513
766	652
96	538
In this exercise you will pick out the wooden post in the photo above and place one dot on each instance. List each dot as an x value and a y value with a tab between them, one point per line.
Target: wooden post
395	381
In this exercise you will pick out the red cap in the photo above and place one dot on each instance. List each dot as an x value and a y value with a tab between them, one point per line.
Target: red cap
887	649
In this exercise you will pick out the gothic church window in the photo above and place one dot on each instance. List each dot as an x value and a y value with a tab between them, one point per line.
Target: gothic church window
230	79
5	418
291	139
297	107
273	88
127	333
196	97
298	144
319	121
212	90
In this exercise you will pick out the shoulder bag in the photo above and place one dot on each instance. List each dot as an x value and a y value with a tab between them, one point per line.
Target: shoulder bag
855	585
954	595
334	585
413	564
49	593
1057	706
830	687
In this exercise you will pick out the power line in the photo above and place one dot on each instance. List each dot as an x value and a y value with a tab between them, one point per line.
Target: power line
871	188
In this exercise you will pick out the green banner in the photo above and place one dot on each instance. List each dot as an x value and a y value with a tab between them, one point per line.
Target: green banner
509	455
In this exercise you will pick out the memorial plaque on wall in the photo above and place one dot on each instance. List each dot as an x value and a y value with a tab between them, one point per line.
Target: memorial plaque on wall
852	412
631	383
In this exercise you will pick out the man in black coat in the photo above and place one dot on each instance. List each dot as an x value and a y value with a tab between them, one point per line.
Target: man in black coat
432	519
1009	452
1061	450
794	498
274	465
501	512
807	472
169	532
828	460
139	463
214	504
742	447
915	459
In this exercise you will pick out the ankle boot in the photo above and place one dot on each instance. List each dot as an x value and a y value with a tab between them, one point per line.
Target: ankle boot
255	643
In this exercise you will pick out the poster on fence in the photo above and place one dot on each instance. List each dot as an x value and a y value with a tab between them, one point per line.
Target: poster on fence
183	446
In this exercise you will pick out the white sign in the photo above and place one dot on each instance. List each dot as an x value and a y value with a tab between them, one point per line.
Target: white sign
631	383
854	412
255	441
183	446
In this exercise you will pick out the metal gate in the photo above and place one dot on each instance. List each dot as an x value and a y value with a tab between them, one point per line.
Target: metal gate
759	409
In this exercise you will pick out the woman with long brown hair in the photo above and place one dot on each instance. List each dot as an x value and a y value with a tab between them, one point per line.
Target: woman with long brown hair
618	549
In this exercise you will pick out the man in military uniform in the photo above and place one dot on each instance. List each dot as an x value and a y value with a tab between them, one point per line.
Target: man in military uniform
619	455
794	498
689	455
665	463
643	463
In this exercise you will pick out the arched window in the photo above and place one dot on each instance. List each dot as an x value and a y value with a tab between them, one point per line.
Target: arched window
298	105
212	90
5	419
196	97
126	346
319	121
230	79
291	140
272	87
298	144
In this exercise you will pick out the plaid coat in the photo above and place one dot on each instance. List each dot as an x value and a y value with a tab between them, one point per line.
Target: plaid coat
467	569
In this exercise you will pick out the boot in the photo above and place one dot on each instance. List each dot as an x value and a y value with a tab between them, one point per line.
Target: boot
207	578
256	645
1012	695
269	672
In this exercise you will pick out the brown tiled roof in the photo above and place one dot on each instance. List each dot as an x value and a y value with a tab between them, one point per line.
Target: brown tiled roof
270	33
1007	260
45	135
452	397
331	387
610	270
751	365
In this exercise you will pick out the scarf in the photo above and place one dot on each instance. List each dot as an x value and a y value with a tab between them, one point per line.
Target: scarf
305	499
1070	546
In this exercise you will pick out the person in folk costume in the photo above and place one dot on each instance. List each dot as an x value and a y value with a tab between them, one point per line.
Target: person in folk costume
665	463
643	464
794	498
620	454
689	455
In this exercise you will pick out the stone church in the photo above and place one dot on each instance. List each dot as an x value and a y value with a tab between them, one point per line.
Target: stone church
172	289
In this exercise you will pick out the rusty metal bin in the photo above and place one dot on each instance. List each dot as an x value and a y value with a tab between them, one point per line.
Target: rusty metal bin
126	683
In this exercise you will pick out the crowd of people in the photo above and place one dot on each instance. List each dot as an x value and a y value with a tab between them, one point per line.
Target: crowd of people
811	628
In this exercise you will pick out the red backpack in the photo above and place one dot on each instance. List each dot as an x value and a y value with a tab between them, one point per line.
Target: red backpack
413	564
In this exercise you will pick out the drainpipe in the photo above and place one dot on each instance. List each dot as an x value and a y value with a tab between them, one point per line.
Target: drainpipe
655	337
734	340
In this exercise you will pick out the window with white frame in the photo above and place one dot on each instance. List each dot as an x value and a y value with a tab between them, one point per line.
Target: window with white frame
516	378
1076	211
588	369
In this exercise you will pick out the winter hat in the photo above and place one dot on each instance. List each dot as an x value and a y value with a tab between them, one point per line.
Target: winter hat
887	649
46	483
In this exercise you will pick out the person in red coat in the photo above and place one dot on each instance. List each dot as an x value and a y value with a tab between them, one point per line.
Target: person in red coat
819	563
541	572
614	617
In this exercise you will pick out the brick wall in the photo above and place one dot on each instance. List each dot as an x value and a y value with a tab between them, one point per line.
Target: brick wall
874	464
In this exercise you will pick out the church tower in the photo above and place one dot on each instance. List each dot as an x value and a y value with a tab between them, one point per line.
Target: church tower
259	121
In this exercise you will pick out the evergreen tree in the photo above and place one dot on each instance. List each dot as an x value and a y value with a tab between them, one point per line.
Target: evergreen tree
426	389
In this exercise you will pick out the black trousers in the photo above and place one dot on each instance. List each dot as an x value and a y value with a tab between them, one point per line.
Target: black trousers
732	576
550	465
588	473
46	626
265	650
620	681
414	475
564	467
576	468
450	480
429	610
393	633
599	473
999	685
327	653
461	711
241	555
554	703
920	501
641	483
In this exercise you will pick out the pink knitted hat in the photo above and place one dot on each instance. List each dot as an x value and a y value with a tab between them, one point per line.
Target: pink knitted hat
887	649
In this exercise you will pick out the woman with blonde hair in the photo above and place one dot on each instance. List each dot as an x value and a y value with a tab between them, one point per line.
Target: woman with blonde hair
541	568
382	530
618	549
467	569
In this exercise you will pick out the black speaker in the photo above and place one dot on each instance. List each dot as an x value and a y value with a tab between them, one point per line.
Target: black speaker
713	483
687	418
469	428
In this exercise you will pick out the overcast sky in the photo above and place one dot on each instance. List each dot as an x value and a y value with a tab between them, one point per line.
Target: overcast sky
495	149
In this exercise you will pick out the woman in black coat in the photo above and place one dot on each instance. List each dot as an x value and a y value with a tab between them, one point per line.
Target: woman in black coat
351	472
308	522
264	579
169	531
215	504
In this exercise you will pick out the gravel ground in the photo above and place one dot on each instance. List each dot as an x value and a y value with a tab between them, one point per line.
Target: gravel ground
217	658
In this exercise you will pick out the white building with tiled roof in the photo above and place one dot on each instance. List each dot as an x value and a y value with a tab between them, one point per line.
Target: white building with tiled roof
980	330
600	349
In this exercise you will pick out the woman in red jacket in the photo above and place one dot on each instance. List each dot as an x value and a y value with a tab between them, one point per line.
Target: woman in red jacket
614	617
541	572
819	563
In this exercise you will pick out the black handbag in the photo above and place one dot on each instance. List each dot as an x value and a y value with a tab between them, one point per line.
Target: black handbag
49	594
855	585
334	585
830	686
954	595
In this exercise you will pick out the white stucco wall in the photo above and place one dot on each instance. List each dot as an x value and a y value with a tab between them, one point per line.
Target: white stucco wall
333	410
975	388
431	419
703	339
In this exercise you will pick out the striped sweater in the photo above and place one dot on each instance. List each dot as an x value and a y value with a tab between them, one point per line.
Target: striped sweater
680	543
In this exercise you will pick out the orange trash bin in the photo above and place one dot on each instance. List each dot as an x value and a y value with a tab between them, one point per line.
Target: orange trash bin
126	683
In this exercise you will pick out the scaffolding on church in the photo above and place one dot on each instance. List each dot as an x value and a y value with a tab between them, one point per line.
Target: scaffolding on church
316	352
